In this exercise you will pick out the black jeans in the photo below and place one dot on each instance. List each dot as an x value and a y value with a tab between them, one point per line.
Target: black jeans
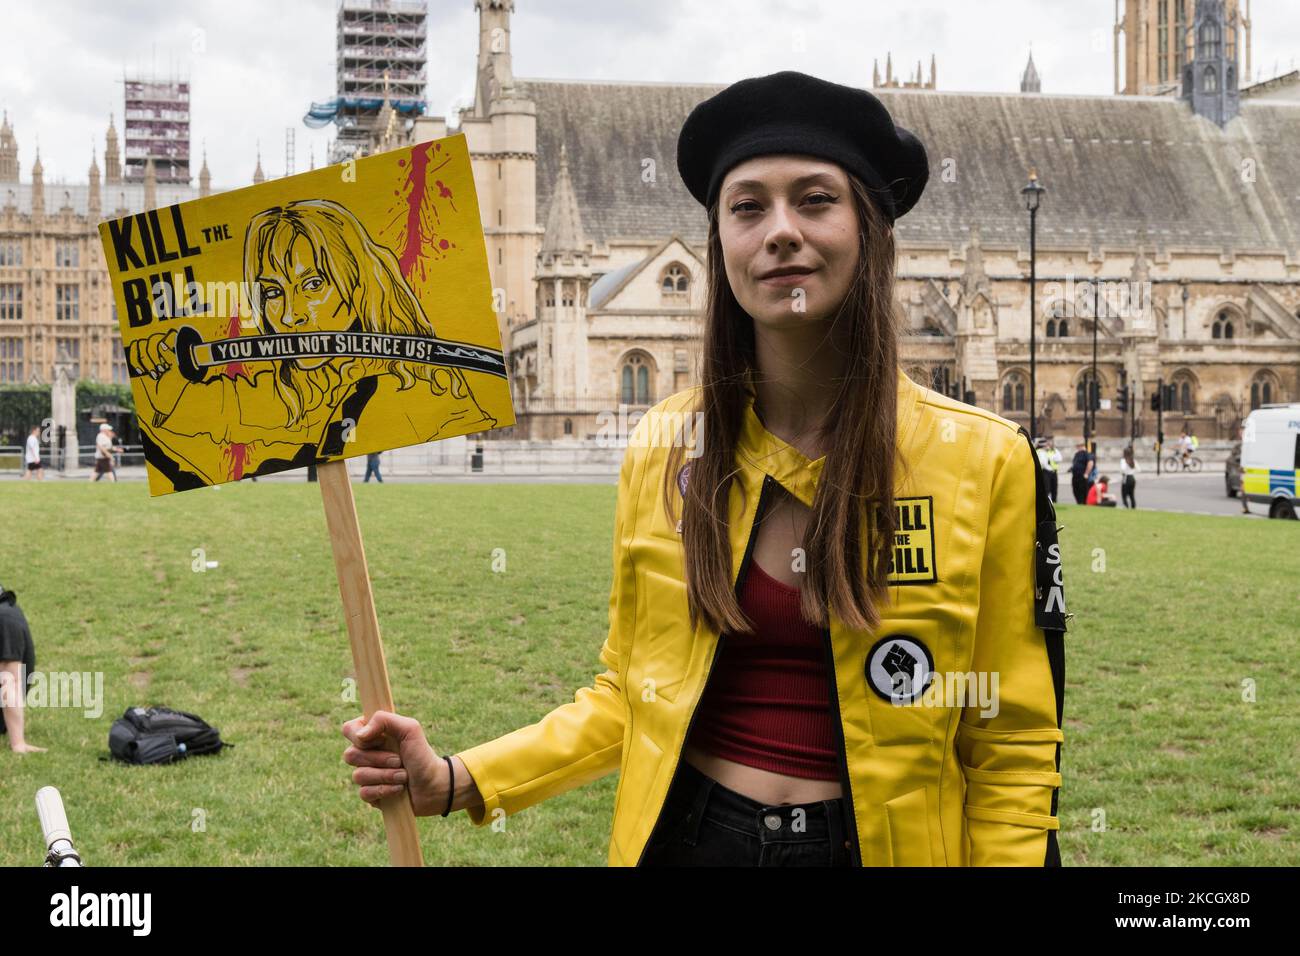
1130	483
705	824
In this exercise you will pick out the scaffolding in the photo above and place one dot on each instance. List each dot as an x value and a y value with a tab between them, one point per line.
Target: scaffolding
157	126
381	59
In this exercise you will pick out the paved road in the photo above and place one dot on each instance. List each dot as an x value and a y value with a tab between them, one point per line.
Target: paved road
1201	494
1187	494
299	475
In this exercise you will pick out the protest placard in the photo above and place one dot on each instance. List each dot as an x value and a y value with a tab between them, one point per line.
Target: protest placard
308	320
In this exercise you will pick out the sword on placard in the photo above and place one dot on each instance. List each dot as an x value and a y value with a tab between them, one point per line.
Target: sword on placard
195	357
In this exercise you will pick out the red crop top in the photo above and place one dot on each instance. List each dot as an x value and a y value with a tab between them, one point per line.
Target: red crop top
767	703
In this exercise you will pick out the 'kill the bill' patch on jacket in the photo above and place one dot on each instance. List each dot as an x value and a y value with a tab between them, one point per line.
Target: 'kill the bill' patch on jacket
948	716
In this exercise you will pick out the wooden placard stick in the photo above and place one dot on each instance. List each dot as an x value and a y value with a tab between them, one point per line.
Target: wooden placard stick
367	648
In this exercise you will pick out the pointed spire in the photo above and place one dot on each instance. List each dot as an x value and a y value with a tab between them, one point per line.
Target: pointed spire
258	175
933	85
112	155
92	192
875	72
38	187
564	232
1030	82
150	184
889	69
205	177
8	152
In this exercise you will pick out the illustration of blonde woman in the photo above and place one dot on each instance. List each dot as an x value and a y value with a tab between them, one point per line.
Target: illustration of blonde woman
309	266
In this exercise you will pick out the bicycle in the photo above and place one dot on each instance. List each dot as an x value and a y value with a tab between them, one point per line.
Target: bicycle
1178	463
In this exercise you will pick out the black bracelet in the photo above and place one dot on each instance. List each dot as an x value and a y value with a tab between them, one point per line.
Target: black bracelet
451	790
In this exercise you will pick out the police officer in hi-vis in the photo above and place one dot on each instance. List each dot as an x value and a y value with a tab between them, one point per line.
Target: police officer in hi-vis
836	621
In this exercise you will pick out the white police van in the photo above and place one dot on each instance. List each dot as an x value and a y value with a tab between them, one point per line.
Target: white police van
1270	459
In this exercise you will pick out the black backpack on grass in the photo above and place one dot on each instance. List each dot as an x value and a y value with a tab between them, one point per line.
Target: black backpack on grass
161	735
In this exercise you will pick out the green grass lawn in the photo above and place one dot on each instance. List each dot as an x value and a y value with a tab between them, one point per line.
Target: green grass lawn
1160	744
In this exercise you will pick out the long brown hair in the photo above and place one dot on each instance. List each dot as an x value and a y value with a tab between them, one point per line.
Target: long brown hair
370	282
857	478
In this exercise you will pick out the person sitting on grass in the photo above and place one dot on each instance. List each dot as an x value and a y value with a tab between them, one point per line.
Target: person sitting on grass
1099	493
17	665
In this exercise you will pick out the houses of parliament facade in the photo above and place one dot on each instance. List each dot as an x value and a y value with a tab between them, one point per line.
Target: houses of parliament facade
1168	237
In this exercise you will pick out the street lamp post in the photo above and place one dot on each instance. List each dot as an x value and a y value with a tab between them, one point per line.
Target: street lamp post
1033	193
1094	387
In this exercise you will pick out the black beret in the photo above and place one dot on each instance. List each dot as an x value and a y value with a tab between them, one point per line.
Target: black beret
792	112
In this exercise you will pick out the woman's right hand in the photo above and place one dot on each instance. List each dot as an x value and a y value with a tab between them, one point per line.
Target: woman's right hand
153	355
415	769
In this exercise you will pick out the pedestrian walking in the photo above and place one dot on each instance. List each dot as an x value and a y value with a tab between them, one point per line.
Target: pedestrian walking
1128	469
32	456
104	450
1080	469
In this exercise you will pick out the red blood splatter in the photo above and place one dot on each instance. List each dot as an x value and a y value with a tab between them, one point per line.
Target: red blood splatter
234	452
443	191
234	369
414	204
443	243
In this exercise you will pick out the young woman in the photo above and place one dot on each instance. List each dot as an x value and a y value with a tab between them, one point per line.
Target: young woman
825	646
1099	493
1128	469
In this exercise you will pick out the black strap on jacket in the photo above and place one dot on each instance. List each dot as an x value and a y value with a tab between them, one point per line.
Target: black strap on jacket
1049	611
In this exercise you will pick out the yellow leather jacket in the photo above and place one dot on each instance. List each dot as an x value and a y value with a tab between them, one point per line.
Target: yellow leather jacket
936	777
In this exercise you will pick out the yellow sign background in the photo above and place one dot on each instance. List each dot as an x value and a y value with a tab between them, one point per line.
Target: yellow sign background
364	296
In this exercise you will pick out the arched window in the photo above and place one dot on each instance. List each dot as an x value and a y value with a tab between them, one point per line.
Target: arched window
1057	326
635	379
1013	392
568	426
675	281
1211	81
1222	328
1261	390
1184	386
1209	37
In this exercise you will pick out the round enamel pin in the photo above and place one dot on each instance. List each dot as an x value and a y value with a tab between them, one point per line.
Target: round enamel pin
899	668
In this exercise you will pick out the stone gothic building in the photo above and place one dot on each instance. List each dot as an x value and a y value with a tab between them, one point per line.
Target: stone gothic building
56	304
1183	221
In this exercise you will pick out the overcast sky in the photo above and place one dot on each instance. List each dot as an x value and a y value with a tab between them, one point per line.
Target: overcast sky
256	65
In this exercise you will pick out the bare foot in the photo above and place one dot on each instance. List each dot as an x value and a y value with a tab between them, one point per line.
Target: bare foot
27	749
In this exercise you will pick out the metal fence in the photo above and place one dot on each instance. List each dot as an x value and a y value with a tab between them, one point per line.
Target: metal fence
83	456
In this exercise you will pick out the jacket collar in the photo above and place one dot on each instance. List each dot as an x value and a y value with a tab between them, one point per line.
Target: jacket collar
797	473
